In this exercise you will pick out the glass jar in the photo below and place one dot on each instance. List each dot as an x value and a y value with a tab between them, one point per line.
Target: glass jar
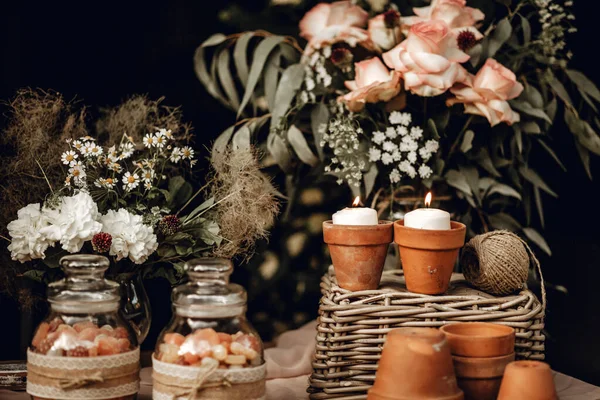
84	330
209	321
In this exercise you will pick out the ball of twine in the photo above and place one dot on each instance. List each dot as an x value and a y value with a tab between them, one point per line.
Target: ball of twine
497	262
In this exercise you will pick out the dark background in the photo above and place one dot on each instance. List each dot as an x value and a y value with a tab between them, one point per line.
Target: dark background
102	52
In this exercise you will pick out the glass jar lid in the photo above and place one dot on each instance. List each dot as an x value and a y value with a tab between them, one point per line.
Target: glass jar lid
208	293
84	288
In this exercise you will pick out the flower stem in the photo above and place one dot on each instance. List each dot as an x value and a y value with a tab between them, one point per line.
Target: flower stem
460	135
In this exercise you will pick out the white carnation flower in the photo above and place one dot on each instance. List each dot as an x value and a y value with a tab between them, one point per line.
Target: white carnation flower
432	146
374	154
408	169
387	158
396	155
416	132
27	240
425	154
130	237
395	117
395	176
73	222
378	137
425	171
402	130
390	146
405	119
412	157
391	133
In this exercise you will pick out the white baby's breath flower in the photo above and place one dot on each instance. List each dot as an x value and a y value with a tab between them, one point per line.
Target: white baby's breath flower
374	154
425	154
402	130
187	152
412	157
27	240
130	236
396	155
391	133
387	158
378	137
395	117
395	176
408	144
408	169
175	155
130	181
432	146
416	132
68	157
425	171
405	119
390	146
149	140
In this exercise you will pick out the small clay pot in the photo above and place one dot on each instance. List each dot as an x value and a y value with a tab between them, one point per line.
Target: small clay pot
415	364
480	377
530	380
358	253
428	256
479	339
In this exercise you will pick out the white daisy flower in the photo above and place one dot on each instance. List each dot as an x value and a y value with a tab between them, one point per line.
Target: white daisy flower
416	132
412	157
93	150
148	175
77	171
130	181
391	133
77	144
160	141
149	140
126	150
425	171
116	167
378	137
85	150
395	176
389	146
402	130
148	185
374	154
193	162
68	157
386	158
187	152
87	138
167	133
175	155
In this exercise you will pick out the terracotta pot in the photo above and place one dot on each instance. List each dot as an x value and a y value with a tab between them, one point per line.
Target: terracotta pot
415	364
428	256
358	253
530	380
479	339
480	377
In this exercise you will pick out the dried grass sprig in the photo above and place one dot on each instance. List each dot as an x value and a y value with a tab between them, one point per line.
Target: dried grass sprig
246	202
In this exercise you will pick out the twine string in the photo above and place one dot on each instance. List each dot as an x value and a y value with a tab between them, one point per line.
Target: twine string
199	383
81	381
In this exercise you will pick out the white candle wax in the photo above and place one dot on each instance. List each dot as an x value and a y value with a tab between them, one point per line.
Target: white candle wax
428	218
356	216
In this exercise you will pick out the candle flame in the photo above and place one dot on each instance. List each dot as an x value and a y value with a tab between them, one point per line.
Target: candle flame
428	200
356	202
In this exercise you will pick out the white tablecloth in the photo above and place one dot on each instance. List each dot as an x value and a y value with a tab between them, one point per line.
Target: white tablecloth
288	368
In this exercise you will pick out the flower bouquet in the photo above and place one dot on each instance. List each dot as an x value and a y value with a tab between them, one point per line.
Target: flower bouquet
394	98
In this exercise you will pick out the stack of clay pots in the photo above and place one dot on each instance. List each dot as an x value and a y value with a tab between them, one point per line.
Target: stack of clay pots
415	364
480	351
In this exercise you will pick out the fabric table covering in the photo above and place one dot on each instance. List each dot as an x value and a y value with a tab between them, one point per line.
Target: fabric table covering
289	365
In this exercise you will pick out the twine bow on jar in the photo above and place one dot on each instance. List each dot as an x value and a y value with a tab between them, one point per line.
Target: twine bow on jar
81	381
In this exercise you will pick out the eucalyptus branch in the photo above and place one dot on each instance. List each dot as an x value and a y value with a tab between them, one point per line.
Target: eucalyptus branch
460	135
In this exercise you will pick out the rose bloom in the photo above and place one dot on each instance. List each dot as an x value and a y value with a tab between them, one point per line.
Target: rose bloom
455	13
341	21
428	59
385	30
487	93
373	83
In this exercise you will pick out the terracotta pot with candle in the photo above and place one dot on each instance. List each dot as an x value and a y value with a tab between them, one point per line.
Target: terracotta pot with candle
415	364
358	243
429	243
531	380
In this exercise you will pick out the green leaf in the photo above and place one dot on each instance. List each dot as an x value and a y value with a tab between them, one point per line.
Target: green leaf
552	154
536	238
538	204
467	142
34	274
518	137
584	133
531	127
201	70
175	183
271	77
220	144
472	176
289	84
528	109
258	62
483	158
486	182
500	35
584	84
279	151
319	119
458	181
432	128
226	79
526	27
584	155
532	177
202	207
504	190
551	108
369	178
560	91
588	100
240	57
298	142
504	221
533	96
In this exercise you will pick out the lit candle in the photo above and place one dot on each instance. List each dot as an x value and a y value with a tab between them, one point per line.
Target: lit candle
428	218
356	215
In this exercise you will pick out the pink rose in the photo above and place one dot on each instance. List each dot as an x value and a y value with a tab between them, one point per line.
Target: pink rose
487	93
428	59
385	30
373	83
455	13
341	21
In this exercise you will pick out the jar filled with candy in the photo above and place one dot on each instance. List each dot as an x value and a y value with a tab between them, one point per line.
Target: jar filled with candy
209	345
84	347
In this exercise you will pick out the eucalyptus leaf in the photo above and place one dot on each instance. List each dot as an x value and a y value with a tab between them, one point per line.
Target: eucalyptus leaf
499	36
533	96
319	119
538	204
472	176
504	190
483	158
588	100
300	145
220	144
271	77
526	27
528	109
537	238
532	177
261	54
432	128
201	69
458	181
240	56
552	154
226	79
467	142
280	152
584	83
289	84
584	155
584	133
531	127
560	91
202	207
518	137
551	108
34	274
486	182
504	221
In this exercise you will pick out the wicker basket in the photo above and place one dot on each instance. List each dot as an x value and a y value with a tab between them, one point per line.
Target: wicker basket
352	327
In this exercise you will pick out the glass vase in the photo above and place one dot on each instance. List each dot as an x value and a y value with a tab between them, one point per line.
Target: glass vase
135	304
